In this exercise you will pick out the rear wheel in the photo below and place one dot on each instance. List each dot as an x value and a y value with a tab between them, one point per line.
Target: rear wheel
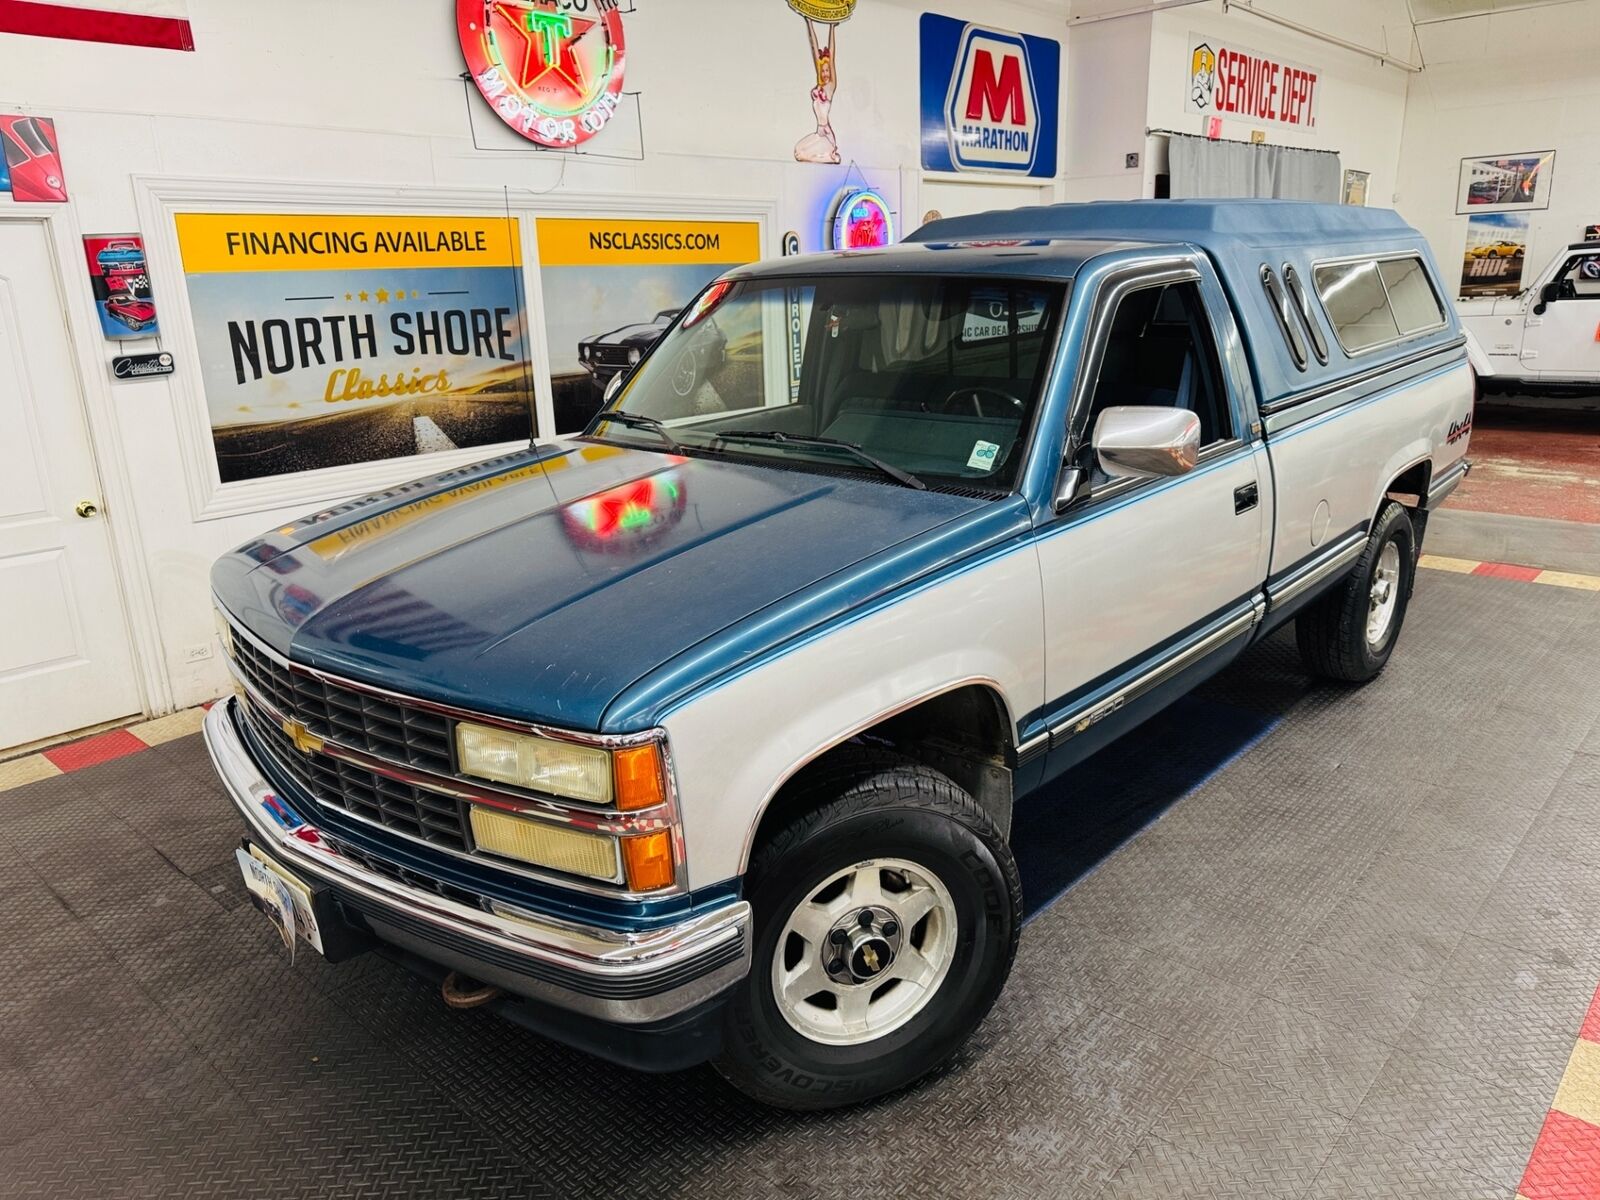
1349	633
887	916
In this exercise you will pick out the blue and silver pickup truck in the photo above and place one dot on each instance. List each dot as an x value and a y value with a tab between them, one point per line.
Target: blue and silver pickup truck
698	736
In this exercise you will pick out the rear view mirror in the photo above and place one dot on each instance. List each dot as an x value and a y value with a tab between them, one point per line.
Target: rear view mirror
1145	442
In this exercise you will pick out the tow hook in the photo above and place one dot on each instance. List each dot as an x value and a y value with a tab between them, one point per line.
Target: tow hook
460	992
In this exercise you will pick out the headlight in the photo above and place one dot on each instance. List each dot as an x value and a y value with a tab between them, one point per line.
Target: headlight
539	764
583	352
629	779
633	356
544	844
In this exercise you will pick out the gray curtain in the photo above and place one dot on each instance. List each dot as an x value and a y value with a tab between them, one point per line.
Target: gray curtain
1200	167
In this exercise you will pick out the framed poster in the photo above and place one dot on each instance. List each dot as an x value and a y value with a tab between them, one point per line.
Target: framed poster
1506	183
1497	248
331	339
121	283
1355	188
612	286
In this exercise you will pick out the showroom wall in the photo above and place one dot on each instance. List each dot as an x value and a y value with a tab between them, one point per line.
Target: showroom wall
1499	85
1359	103
307	106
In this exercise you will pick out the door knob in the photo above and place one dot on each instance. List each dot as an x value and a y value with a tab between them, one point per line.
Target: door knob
86	509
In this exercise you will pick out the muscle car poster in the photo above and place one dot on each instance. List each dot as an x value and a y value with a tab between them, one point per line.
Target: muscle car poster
327	340
121	284
33	159
1497	247
611	287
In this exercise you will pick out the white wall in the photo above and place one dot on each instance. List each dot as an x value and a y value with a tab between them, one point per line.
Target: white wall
1360	103
1497	85
367	92
1108	70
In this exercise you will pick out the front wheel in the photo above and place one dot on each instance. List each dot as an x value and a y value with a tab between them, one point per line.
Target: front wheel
1349	633
887	917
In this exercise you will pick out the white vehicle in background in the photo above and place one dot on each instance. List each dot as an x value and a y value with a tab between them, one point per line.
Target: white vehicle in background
1547	335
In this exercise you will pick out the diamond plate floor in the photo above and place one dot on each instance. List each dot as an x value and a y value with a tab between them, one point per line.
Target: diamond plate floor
1348	962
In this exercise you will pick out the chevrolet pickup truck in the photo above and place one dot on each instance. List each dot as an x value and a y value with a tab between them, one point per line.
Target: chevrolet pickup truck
1547	336
698	736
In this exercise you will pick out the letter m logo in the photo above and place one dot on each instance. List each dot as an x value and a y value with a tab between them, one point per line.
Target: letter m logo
992	109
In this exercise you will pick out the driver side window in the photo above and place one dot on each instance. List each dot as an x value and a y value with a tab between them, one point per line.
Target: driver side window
1161	352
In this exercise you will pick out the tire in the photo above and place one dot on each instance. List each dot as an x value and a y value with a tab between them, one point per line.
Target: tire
685	375
870	819
1334	635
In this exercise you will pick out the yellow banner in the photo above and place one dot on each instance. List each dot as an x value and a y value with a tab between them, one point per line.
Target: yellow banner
585	242
241	242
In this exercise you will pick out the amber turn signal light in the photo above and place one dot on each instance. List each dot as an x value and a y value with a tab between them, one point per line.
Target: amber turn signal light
639	777
648	861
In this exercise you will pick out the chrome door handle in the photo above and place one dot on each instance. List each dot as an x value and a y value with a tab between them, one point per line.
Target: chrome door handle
86	509
1245	497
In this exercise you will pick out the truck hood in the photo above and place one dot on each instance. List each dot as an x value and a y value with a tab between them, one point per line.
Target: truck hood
539	586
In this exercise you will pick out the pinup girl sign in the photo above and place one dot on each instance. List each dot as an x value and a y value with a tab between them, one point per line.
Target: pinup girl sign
822	146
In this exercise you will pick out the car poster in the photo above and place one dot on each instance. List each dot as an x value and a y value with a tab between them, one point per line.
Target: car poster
33	159
1497	247
1355	187
121	283
1507	183
611	287
327	340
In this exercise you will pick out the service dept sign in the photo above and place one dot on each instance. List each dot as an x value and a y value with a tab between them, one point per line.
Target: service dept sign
990	98
1227	80
550	69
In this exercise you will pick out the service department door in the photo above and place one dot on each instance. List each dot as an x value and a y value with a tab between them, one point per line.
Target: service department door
64	660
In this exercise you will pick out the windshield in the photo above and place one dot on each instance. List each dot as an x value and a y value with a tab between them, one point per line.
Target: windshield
936	378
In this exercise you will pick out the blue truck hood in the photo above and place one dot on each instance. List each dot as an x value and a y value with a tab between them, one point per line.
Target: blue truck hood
541	584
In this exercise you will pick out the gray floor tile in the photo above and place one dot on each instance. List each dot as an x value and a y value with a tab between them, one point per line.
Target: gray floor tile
1484	1127
1329	1066
1368	1165
1369	999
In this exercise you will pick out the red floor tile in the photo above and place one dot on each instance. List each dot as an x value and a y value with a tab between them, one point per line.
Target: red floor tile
1591	1024
1507	571
1565	1163
98	749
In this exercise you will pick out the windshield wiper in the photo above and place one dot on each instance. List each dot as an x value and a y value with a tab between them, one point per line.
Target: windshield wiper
807	439
640	421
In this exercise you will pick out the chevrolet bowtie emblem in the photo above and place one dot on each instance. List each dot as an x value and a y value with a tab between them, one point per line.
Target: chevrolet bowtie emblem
871	956
304	740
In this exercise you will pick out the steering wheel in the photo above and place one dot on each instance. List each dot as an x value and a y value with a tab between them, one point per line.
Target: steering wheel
976	396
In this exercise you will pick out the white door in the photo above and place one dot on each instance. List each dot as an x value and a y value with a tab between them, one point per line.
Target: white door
64	660
1564	341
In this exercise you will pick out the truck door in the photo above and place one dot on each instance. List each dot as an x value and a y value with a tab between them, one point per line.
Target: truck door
1151	583
1563	341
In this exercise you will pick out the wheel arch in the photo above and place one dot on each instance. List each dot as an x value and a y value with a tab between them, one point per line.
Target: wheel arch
964	728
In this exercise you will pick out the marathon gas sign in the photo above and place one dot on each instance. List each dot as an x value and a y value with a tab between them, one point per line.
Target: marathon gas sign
990	98
1229	80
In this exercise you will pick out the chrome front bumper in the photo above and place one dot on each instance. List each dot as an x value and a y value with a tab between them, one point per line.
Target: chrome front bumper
625	978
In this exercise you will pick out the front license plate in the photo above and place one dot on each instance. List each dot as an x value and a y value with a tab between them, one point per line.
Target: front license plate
286	901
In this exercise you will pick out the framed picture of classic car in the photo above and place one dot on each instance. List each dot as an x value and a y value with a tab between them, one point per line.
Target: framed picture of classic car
1505	183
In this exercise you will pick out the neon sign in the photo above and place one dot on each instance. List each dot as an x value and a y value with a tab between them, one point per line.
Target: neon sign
858	218
548	70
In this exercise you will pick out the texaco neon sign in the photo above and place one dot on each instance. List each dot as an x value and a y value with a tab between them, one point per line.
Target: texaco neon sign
551	69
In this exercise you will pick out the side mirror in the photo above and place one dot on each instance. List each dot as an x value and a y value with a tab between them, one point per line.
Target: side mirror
613	388
1146	442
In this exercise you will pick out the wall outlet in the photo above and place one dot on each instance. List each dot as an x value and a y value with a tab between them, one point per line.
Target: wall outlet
199	652
1131	161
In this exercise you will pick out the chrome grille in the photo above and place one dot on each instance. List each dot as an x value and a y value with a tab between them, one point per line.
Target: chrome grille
381	728
394	871
340	785
610	355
